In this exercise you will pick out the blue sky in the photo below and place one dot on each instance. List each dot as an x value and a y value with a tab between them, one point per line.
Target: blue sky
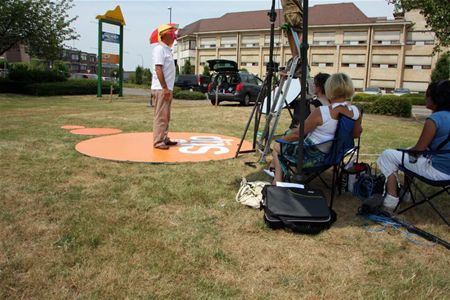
143	16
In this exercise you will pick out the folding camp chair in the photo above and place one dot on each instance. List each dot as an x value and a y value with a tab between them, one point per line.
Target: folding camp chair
412	179
342	149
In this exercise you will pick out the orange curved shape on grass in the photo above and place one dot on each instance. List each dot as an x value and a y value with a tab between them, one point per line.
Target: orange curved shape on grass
72	127
95	131
138	147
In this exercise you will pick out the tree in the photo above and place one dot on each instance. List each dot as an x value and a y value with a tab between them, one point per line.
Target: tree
147	76
206	71
187	68
139	75
436	13
442	69
41	25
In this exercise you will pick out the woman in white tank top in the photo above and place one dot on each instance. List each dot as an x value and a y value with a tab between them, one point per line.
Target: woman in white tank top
320	126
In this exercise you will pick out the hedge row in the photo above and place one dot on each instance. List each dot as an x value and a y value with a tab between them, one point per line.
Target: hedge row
70	87
415	99
188	95
29	73
388	105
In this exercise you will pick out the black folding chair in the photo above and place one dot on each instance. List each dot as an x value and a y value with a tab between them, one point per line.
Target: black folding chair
412	179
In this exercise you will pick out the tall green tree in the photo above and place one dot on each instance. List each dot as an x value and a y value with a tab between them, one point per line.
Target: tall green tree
436	13
206	71
147	76
187	68
41	25
442	69
139	73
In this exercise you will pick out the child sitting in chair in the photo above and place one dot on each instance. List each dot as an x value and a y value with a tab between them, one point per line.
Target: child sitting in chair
320	126
435	132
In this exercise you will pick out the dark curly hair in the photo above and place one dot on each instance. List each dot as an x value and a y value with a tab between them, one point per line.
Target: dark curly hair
439	93
319	81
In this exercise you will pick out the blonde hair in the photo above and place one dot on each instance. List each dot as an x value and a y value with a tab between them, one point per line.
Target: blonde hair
339	85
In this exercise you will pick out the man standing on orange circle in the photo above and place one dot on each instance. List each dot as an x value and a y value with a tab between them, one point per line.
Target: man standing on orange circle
163	80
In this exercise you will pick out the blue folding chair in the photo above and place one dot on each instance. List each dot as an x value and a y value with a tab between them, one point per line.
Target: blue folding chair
342	149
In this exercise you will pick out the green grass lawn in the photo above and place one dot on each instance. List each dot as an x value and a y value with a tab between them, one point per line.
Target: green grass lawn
73	226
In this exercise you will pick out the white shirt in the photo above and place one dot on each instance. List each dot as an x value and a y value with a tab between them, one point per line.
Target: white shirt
162	55
327	130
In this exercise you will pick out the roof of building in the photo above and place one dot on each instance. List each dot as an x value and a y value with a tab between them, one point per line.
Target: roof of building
324	14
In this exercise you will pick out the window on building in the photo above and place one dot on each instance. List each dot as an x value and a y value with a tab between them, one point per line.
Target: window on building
416	86
74	57
228	57
276	58
418	62
83	67
92	58
276	40
208	42
355	37
386	37
204	59
353	60
249	61
84	57
192	45
228	41
384	61
387	85
323	60
249	41
420	38
358	84
324	38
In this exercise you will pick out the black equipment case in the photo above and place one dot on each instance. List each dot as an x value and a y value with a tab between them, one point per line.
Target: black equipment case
301	210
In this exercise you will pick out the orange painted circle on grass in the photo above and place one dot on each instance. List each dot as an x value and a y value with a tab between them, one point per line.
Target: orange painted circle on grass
138	147
95	131
72	127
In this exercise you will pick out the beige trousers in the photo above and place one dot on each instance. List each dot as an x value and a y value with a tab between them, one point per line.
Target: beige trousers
161	117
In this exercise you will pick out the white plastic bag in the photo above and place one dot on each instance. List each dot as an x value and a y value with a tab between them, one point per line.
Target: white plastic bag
250	193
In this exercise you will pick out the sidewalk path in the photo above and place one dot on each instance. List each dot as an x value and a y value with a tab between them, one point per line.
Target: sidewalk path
136	92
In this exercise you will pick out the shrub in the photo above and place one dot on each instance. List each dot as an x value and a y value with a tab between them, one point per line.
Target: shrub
37	73
70	87
9	86
415	99
361	97
392	106
188	95
387	105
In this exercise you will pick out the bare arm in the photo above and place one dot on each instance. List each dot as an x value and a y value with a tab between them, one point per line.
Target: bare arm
357	130
428	133
162	80
314	120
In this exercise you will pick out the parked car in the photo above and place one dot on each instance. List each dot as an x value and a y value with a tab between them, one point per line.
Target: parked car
399	92
193	82
83	76
373	91
228	84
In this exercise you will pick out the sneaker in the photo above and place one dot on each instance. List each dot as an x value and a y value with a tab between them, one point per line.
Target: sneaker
390	202
269	172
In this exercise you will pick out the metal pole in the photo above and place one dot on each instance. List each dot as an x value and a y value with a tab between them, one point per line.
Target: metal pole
170	14
303	102
99	59
121	63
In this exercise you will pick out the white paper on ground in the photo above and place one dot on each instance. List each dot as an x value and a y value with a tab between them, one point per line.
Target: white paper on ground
290	184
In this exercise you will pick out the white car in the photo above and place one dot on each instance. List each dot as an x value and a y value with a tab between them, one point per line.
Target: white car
400	92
